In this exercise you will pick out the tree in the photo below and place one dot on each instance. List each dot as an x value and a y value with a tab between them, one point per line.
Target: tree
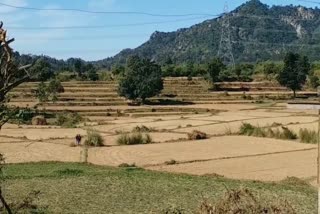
11	76
214	69
92	72
142	79
79	67
43	70
49	92
118	70
294	72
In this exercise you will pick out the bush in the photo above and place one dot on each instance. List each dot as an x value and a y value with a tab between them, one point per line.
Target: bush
288	134
246	129
93	139
141	80
283	133
308	136
134	139
68	120
142	129
197	135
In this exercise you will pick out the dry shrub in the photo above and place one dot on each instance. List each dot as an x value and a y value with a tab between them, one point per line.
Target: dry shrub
294	181
94	139
142	129
134	139
256	131
39	121
197	135
243	201
308	136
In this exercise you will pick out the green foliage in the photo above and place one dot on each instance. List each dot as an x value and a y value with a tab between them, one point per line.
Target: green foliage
295	71
79	67
314	81
118	70
68	120
91	72
65	76
214	69
42	70
308	136
41	92
142	79
246	129
49	92
134	139
94	139
105	76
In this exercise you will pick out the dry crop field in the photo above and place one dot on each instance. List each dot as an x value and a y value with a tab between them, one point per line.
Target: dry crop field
183	107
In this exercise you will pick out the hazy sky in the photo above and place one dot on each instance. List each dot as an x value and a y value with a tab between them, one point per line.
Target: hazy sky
109	38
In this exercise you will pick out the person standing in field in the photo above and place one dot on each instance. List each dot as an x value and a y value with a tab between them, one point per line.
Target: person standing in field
78	139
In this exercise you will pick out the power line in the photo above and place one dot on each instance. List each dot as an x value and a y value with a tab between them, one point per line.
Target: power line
103	12
105	26
121	36
144	23
308	1
83	38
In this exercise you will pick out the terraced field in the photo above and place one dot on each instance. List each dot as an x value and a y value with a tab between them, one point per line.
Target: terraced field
183	107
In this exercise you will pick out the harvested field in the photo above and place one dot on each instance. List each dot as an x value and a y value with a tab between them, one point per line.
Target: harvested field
220	116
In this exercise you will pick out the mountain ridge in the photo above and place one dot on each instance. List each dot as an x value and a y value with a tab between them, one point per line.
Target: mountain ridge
259	32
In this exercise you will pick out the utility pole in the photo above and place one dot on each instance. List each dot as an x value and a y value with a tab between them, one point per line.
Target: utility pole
225	47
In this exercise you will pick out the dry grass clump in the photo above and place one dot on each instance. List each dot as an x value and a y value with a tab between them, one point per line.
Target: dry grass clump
142	129
94	139
135	138
294	181
256	131
243	201
39	121
69	120
197	135
308	136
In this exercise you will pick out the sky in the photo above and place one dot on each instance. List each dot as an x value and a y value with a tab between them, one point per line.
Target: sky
103	35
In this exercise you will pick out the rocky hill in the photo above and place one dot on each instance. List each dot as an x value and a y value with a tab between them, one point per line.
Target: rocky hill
258	32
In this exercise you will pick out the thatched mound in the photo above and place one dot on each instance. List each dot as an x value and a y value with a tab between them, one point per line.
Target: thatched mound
39	121
197	135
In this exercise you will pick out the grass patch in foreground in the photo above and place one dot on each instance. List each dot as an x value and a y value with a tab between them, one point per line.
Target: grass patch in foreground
79	188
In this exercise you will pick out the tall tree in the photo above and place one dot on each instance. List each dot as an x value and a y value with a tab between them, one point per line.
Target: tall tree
214	69
79	67
141	80
43	69
294	72
11	76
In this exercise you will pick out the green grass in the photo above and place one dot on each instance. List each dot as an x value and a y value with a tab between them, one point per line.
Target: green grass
79	188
